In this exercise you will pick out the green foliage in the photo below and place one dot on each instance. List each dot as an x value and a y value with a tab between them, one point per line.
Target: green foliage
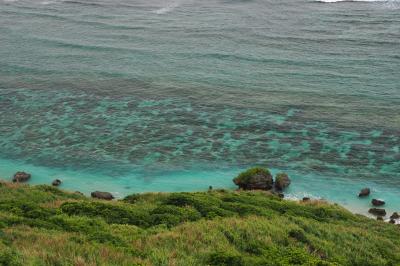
299	235
42	225
225	258
9	257
245	176
113	214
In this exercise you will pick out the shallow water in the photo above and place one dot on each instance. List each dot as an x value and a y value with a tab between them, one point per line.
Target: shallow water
132	96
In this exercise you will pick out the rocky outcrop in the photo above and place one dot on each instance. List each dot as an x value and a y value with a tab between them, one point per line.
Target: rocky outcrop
377	202
282	181
56	182
364	192
254	178
395	215
377	211
102	195
21	177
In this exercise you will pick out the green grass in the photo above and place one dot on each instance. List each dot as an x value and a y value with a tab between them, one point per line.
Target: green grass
42	225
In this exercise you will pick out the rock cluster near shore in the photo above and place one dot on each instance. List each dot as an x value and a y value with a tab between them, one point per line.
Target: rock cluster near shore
102	195
21	177
380	213
259	178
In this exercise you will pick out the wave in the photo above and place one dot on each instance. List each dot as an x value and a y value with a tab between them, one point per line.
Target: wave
166	9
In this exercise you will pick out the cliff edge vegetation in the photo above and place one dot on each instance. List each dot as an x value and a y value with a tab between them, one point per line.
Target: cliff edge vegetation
43	225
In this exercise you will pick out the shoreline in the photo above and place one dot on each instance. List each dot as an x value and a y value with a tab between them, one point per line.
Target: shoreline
333	190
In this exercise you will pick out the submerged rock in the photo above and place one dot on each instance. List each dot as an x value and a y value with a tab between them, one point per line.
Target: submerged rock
254	178
377	211
377	202
364	192
395	215
56	182
102	195
282	181
21	177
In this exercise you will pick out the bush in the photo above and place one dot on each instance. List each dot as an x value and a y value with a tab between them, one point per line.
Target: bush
106	238
205	205
227	258
26	209
245	177
173	215
299	235
112	214
9	257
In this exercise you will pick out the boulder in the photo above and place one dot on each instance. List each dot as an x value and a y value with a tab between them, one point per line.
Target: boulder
395	215
56	182
254	178
377	212
306	199
364	192
377	202
282	181
102	195
392	221
21	177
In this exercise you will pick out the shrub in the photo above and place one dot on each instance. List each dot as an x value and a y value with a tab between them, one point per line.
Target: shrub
243	179
113	214
9	257
206	206
227	258
299	235
173	215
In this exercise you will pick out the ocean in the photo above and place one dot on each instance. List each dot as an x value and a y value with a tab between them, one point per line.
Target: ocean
129	96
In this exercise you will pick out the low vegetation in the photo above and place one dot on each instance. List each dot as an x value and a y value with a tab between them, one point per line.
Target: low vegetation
42	225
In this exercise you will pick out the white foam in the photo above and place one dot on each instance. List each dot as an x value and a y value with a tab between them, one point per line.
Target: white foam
168	8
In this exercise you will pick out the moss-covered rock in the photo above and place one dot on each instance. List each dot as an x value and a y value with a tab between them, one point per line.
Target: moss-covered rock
254	178
282	181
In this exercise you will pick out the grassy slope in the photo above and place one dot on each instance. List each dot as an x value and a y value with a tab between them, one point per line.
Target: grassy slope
41	225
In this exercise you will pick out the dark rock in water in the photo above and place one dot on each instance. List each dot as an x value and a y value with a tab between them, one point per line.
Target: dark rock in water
21	177
377	211
254	178
210	188
392	221
102	195
306	199
377	202
56	182
282	181
379	218
395	215
364	192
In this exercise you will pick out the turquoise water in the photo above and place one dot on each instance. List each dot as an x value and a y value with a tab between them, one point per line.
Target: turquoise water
133	96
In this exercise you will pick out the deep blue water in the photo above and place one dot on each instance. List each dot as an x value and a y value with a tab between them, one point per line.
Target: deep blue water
151	95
